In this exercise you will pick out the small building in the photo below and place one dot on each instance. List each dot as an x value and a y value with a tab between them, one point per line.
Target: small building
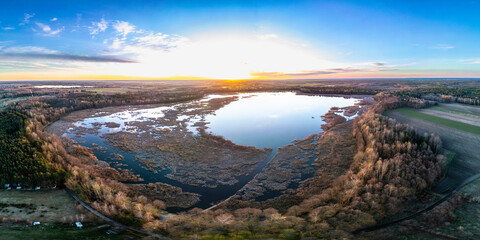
37	188
9	188
7	185
79	224
19	187
36	223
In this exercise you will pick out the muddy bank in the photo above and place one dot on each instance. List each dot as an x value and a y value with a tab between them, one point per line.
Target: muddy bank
172	144
321	158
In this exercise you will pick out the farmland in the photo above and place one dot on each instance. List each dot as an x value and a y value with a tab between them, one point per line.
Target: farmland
42	206
439	120
458	137
56	231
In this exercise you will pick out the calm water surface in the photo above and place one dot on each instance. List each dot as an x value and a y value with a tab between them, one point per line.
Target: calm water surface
263	120
272	119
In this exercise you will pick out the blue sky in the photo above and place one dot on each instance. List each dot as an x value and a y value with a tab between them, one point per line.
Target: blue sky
238	39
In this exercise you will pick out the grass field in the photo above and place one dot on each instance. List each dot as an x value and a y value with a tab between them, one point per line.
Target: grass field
437	120
460	146
459	109
460	138
448	110
56	231
43	206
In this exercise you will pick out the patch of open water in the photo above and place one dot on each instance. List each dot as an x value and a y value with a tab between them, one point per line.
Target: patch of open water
263	120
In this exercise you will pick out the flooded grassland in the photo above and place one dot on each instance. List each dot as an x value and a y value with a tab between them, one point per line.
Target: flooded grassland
201	152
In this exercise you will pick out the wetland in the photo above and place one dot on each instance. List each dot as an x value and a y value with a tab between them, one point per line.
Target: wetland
198	153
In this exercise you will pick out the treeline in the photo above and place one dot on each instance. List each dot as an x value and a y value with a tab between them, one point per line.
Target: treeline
31	157
393	165
21	159
47	110
96	182
466	95
339	90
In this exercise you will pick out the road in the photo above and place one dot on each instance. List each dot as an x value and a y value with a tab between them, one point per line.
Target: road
110	221
432	206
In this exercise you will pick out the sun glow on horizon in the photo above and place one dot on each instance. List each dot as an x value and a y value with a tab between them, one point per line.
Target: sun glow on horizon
220	57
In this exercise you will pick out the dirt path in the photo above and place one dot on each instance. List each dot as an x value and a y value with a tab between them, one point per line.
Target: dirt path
432	206
110	221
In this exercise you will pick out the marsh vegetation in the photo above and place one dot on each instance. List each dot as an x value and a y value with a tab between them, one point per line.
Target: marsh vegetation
320	173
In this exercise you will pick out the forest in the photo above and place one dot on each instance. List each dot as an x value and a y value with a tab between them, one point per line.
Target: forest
391	169
467	95
22	162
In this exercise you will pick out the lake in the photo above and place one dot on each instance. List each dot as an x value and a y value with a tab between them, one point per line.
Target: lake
261	120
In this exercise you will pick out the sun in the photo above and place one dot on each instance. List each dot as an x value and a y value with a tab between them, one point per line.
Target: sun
230	57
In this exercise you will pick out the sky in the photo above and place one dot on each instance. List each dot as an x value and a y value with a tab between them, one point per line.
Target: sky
75	40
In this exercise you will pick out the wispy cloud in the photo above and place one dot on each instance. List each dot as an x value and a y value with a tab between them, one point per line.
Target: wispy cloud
117	44
27	49
47	30
159	41
7	28
53	19
378	64
316	73
470	61
33	52
442	46
123	28
306	73
26	18
98	27
145	43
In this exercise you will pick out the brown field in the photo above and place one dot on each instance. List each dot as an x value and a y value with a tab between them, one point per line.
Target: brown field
42	206
464	144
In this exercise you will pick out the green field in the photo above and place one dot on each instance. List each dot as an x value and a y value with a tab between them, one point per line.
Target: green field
438	120
458	111
55	231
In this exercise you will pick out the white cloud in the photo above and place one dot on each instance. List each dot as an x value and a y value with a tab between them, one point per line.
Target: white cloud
44	27
159	41
28	49
55	32
123	28
53	19
26	19
47	30
98	27
7	28
116	44
219	56
443	46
